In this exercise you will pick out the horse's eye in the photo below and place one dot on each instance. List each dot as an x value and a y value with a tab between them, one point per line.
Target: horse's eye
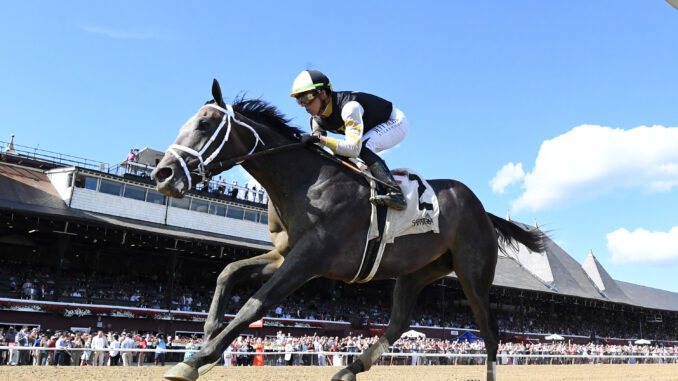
203	124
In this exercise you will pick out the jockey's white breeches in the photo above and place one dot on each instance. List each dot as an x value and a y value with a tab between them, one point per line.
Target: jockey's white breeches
388	134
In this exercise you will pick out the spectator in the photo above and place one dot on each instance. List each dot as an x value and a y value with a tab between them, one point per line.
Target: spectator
228	354
127	344
3	352
146	343
76	355
241	348
99	344
22	340
51	343
37	354
190	346
247	192
234	189
131	156
259	348
87	353
289	360
62	355
160	348
114	353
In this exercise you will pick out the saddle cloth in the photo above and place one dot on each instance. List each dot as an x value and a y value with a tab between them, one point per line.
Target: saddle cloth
420	216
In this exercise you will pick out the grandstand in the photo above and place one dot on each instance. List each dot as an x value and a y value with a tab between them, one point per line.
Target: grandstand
86	244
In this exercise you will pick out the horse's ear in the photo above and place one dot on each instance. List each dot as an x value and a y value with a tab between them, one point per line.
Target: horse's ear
216	93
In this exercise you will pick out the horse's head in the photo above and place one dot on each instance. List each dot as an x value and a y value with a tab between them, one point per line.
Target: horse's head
202	141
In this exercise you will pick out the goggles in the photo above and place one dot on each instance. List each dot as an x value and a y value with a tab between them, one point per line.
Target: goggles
306	98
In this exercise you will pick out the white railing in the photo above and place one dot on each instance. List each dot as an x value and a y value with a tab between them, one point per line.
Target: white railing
480	357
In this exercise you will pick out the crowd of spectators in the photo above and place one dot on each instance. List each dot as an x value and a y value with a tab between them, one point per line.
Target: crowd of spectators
249	192
322	350
339	302
80	348
112	349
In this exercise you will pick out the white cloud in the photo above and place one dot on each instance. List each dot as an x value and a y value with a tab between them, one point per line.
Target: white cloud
643	246
507	175
127	34
590	161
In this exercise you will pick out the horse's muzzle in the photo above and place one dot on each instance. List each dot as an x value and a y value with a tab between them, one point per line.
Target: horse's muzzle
170	182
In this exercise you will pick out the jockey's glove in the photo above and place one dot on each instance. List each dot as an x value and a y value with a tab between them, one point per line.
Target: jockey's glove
309	139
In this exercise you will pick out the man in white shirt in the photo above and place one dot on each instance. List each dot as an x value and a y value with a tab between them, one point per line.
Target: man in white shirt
114	353
289	360
99	342
228	355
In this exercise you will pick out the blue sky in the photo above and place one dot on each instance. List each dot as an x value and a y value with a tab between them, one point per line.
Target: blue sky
538	106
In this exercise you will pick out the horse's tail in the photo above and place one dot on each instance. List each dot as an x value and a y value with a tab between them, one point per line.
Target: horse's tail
508	233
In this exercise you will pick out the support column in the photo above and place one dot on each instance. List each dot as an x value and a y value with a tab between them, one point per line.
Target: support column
61	246
171	273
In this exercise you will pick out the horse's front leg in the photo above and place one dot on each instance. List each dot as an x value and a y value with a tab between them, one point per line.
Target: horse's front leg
293	273
405	293
256	268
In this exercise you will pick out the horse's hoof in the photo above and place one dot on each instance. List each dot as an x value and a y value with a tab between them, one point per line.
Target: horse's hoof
344	375
206	368
182	372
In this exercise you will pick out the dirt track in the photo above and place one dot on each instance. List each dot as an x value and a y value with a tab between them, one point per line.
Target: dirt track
378	373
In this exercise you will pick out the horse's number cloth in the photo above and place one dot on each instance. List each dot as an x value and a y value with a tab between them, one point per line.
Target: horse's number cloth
420	216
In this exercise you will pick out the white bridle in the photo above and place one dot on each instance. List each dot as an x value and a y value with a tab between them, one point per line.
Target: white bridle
229	115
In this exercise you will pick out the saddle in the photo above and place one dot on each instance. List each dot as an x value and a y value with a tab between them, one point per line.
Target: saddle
386	224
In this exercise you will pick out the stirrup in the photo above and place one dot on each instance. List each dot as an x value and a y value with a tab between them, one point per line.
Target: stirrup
392	200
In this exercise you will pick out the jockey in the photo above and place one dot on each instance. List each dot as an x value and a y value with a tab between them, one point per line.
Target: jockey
370	125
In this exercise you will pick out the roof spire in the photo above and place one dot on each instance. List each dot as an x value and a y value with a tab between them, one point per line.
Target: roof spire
508	215
10	147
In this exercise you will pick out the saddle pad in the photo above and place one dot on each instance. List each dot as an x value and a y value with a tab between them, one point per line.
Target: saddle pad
421	215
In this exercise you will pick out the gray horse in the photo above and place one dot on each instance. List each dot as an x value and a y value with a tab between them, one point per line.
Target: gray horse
319	214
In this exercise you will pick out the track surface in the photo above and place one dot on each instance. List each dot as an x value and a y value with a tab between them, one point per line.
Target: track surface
377	373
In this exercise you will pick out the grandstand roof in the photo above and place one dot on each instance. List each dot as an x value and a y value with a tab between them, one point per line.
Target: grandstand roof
607	286
555	271
650	297
511	273
28	189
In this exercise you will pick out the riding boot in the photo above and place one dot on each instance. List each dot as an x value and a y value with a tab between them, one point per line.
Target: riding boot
394	198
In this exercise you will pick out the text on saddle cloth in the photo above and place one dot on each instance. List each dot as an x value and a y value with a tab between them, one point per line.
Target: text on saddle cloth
420	216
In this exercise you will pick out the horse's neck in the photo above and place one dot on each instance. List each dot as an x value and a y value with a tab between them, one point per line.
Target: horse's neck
284	174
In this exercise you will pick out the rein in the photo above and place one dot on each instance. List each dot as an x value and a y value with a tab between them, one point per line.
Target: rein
240	159
352	167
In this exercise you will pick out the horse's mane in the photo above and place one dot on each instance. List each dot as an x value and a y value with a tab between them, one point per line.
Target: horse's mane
263	112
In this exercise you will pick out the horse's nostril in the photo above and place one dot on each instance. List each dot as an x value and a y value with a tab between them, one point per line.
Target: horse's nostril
163	174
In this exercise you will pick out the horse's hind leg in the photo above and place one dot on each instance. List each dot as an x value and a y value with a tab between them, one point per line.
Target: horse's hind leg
256	268
405	293
474	265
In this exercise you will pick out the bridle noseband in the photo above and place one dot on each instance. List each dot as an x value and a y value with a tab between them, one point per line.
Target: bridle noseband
202	170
